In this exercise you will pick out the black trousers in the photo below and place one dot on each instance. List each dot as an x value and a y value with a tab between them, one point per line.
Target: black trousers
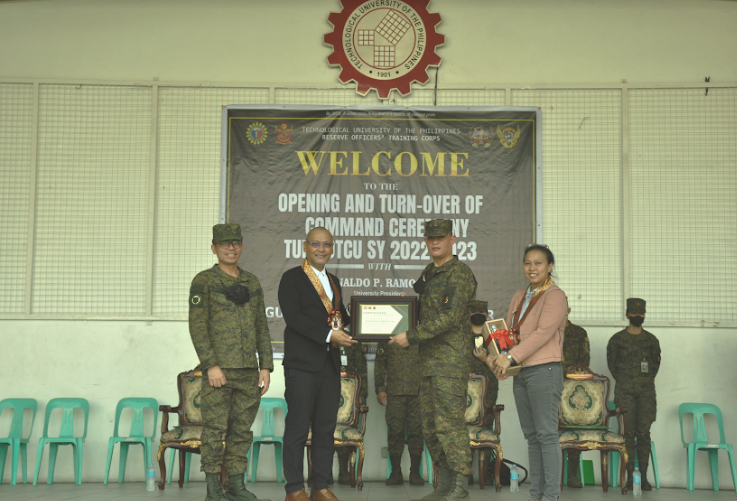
311	397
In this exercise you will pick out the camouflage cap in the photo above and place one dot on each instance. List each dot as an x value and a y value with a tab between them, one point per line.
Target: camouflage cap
478	306
635	305
230	231
438	227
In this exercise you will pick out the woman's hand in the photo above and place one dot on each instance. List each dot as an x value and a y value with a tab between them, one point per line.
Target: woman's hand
499	365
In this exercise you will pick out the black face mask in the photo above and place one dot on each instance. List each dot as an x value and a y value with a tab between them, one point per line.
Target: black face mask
237	294
636	321
478	319
419	286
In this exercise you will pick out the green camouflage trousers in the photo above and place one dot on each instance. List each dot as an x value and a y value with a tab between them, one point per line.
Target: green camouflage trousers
443	408
227	415
403	412
642	408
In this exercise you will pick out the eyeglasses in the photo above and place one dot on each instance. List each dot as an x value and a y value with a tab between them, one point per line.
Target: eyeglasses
537	245
227	243
317	245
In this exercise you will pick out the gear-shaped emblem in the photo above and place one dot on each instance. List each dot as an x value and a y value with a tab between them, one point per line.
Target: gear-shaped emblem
384	45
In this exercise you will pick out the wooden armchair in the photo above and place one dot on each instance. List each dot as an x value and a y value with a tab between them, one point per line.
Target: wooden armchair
583	418
351	426
481	438
186	435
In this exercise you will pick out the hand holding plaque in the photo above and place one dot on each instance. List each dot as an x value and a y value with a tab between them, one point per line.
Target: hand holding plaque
376	318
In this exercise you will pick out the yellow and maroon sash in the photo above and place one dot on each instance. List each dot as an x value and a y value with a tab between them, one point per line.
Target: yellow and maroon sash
516	320
335	319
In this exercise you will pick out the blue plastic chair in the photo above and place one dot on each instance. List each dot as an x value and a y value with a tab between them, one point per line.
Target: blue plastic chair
135	436
66	436
614	461
15	439
426	460
268	437
701	443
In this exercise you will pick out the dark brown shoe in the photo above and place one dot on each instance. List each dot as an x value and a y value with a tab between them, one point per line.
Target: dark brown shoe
300	495
322	495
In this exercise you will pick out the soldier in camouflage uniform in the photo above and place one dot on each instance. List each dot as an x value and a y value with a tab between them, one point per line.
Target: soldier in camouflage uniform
446	344
397	384
576	351
479	313
633	356
355	362
227	323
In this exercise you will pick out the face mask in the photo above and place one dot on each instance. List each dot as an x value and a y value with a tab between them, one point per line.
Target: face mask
478	319
237	294
636	321
419	286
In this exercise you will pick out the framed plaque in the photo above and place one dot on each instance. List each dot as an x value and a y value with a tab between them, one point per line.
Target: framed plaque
377	318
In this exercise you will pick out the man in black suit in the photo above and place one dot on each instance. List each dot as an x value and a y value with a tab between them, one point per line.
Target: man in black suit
310	299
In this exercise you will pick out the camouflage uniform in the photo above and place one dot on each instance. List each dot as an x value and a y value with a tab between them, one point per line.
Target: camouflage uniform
635	389
356	362
576	350
229	335
395	373
446	343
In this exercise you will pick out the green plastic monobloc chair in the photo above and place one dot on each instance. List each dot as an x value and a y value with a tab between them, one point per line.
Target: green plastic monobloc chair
66	436
15	440
267	436
701	443
136	434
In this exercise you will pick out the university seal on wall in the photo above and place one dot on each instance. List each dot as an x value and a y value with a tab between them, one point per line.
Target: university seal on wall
384	44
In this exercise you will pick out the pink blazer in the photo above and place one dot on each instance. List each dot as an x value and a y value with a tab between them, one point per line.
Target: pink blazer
541	335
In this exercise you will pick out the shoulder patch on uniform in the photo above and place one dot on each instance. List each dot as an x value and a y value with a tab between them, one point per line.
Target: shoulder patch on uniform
196	296
196	300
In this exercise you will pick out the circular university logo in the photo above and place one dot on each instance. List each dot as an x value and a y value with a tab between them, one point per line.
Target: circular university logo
256	133
384	44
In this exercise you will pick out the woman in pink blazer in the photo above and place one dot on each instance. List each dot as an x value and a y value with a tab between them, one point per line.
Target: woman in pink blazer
537	315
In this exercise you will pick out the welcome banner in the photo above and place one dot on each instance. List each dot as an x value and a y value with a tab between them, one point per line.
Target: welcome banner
372	176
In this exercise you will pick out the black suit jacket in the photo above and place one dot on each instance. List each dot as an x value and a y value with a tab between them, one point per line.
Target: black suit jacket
307	322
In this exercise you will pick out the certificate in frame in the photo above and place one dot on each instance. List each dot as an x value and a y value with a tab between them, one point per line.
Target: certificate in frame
377	318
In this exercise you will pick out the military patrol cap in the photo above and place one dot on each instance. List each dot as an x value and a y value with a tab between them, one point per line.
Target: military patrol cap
438	227
477	306
230	231
636	305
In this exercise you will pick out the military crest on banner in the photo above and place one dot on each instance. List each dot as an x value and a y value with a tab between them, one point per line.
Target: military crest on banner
480	136
283	133
508	136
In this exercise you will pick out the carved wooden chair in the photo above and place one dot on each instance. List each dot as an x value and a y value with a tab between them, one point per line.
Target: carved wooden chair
481	438
186	435
351	427
583	418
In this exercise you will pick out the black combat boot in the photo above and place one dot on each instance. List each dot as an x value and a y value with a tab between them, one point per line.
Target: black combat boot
214	488
444	484
645	484
573	480
456	492
396	477
415	478
344	469
237	490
